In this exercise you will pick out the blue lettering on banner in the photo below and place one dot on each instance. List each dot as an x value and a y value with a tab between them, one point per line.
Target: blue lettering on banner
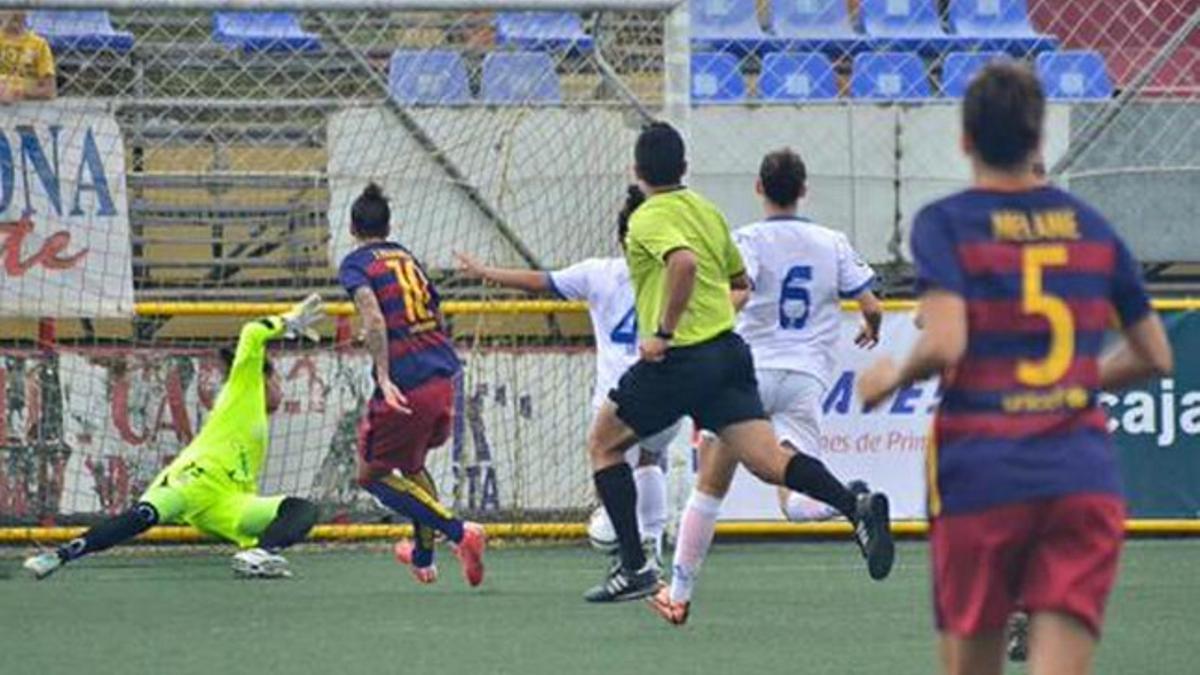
475	476
841	394
903	403
40	166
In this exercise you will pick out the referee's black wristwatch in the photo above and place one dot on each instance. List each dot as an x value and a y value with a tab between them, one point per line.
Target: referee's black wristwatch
664	335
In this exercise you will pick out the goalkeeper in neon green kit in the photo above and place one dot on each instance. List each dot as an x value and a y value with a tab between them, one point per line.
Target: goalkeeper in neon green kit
213	483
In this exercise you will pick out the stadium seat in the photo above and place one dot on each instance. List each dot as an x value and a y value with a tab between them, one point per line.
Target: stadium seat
960	67
797	77
1074	75
728	26
428	77
86	31
717	79
907	25
542	30
998	25
519	77
815	25
263	32
889	76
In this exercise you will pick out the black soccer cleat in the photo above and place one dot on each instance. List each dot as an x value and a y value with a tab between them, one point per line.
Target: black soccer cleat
873	532
622	585
1018	637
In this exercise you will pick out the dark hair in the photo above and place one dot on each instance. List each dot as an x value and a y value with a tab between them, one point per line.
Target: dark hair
783	176
659	155
227	354
1002	114
633	199
370	215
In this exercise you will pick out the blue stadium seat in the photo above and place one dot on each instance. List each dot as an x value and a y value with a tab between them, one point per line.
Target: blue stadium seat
263	32
428	77
1074	75
542	30
998	25
87	31
888	76
519	77
907	25
728	26
717	79
815	25
960	67
797	77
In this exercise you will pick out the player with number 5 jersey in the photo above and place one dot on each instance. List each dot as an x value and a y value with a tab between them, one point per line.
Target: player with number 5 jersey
604	284
1019	283
414	367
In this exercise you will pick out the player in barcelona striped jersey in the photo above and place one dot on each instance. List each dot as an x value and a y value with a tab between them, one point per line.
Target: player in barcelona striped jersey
604	284
414	367
1019	282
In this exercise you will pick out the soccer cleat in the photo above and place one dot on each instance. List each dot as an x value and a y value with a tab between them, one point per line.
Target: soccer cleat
404	555
675	613
873	532
256	563
43	564
622	585
469	552
1018	637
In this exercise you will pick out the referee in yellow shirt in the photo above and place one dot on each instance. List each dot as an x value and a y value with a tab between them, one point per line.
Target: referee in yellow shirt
26	64
683	263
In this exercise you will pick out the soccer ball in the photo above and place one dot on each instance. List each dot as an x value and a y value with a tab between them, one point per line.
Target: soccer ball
601	532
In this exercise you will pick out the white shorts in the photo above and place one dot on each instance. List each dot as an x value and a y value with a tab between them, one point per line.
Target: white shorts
793	401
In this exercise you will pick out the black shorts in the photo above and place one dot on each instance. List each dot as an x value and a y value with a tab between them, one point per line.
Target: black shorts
712	382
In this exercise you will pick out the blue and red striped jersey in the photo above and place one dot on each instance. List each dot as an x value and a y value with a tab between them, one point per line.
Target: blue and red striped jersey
418	345
1044	276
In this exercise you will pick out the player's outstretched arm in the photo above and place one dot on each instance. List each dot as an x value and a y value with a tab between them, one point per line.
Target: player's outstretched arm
940	346
1143	352
531	281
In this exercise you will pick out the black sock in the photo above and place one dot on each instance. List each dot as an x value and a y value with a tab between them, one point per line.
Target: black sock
111	532
809	475
292	522
619	496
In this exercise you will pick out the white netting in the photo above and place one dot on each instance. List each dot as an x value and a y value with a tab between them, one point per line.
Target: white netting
233	147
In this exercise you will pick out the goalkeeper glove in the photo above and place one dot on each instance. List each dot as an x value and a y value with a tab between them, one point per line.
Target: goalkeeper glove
299	319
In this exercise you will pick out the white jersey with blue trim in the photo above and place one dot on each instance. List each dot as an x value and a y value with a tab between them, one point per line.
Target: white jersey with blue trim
801	271
604	284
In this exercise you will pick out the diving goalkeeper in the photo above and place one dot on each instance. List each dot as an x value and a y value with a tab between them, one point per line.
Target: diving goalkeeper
213	484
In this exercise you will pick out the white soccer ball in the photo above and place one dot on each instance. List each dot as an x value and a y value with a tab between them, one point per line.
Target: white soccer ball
601	532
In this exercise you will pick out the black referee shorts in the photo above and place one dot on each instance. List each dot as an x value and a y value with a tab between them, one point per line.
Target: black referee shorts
712	382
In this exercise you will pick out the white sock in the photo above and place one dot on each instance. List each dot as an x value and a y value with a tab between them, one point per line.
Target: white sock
651	503
696	528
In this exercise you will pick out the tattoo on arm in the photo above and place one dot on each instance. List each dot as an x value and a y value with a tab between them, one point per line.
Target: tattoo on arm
375	327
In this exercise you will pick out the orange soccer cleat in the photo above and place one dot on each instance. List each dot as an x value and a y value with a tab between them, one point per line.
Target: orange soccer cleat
404	555
470	552
675	613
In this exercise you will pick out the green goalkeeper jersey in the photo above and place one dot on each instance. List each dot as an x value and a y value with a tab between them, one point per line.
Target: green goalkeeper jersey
235	436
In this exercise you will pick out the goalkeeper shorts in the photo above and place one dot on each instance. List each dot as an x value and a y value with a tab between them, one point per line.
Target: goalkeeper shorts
390	440
203	496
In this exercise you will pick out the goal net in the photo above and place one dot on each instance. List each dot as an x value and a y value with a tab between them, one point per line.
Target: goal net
197	170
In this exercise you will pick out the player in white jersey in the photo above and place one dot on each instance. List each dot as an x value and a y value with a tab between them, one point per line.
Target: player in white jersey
791	318
604	284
